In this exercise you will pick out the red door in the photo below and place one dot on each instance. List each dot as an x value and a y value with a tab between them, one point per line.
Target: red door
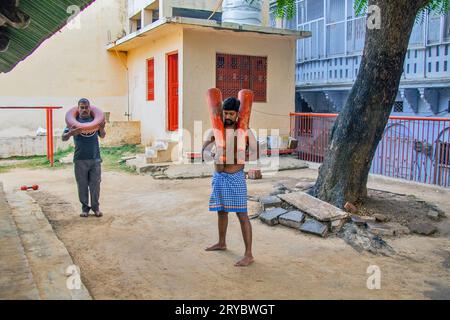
172	110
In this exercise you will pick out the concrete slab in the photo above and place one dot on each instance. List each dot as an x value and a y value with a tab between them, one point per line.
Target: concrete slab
270	217
314	227
316	208
292	219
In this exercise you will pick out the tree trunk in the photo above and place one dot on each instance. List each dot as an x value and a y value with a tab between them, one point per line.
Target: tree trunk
360	125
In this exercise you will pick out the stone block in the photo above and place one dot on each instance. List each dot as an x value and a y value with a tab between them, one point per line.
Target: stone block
314	227
336	225
270	202
271	216
292	219
381	217
254	174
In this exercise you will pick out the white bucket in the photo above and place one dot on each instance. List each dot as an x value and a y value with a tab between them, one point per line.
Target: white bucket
242	12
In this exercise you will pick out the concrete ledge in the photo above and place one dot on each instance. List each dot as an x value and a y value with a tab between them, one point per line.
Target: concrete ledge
16	279
46	254
29	146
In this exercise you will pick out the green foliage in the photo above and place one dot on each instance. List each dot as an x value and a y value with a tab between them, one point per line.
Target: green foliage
111	157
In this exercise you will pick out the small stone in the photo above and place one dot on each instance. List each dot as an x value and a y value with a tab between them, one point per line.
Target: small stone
270	217
350	207
381	217
422	228
336	225
304	185
433	215
380	229
361	220
398	228
270	202
314	227
292	219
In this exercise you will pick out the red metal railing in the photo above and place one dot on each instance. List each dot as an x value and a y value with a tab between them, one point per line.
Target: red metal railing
412	148
49	124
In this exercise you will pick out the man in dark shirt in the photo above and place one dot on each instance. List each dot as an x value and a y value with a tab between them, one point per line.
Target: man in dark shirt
87	160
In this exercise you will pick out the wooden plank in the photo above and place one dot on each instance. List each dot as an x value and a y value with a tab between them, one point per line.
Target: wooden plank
316	208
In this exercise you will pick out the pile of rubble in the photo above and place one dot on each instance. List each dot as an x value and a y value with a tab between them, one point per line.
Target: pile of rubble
297	209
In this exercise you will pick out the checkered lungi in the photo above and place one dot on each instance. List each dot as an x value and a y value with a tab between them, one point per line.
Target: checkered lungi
229	192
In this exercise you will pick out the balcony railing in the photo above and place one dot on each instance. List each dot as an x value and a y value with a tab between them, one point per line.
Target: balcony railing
412	148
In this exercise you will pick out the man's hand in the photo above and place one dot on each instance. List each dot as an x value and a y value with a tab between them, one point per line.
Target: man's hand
74	131
101	129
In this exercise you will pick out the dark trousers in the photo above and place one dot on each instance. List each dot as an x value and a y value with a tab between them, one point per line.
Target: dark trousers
88	175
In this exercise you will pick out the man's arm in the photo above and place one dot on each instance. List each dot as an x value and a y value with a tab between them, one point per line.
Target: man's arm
101	130
209	140
70	133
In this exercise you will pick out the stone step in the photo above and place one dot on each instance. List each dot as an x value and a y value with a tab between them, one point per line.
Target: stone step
46	254
16	278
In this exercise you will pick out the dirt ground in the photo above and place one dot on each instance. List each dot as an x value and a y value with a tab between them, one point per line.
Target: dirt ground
150	244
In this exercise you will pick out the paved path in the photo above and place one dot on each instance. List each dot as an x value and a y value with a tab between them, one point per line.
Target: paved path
16	280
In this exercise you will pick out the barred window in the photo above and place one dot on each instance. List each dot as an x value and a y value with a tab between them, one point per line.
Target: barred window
236	72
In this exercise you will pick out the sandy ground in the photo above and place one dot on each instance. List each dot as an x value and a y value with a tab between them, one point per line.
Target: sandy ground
150	245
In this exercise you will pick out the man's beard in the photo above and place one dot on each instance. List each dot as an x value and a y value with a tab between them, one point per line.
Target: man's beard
228	122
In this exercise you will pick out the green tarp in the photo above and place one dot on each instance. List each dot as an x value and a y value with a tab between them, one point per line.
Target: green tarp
47	17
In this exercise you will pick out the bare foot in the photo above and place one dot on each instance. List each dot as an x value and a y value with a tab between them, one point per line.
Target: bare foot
217	246
245	261
84	214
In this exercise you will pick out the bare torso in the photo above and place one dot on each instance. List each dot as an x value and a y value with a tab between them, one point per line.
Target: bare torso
226	167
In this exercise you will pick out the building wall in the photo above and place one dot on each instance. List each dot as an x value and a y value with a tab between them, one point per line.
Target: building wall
200	48
72	64
328	62
153	114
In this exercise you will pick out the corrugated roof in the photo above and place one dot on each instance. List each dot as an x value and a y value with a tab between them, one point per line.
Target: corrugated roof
47	17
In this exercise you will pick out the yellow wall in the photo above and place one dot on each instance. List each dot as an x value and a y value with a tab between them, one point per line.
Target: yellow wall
153	114
200	48
72	64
